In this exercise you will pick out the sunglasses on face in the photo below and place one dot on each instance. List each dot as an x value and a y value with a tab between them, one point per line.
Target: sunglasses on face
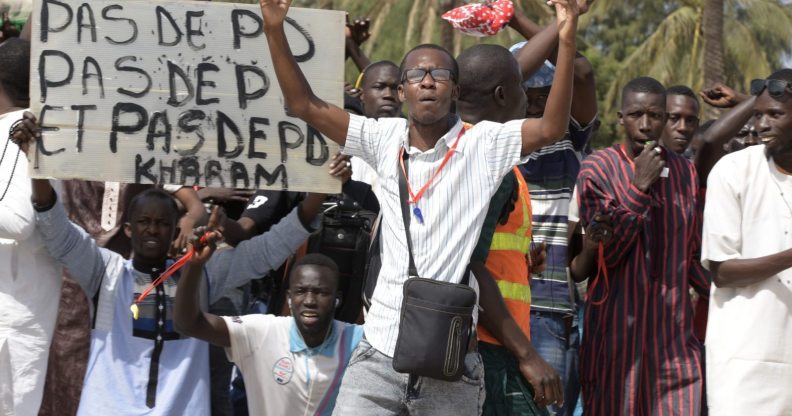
775	87
416	75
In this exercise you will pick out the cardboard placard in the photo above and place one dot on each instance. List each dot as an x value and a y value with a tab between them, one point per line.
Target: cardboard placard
178	93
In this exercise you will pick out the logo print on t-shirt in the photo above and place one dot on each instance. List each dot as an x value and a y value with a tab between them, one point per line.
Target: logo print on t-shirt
257	202
282	370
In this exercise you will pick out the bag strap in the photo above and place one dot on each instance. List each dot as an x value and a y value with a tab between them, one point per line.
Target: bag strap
412	271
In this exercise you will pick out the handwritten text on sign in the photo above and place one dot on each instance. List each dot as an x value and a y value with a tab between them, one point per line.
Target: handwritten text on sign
178	92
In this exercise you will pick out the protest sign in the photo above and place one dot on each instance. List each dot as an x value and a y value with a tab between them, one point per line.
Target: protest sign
179	93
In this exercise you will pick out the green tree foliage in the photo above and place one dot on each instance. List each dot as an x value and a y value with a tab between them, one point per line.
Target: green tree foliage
660	38
665	39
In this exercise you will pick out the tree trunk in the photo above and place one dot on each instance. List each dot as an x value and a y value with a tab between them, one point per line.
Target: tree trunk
712	27
446	30
412	21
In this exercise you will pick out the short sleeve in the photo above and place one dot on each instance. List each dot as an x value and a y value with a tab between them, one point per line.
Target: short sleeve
722	236
580	135
364	139
266	208
502	146
247	333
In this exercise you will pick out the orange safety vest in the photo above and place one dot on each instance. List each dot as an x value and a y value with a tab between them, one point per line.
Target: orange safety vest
508	261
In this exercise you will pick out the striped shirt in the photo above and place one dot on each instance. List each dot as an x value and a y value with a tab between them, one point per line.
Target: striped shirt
641	357
550	173
453	207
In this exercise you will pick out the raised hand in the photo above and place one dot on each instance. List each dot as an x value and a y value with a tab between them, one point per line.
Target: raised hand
26	131
179	244
567	13
358	30
722	96
205	239
274	12
341	167
351	91
584	6
648	166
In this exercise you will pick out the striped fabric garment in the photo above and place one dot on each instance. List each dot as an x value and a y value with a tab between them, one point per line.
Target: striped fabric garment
639	355
453	208
551	172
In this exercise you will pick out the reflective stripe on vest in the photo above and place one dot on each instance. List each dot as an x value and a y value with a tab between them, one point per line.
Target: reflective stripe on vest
520	239
515	291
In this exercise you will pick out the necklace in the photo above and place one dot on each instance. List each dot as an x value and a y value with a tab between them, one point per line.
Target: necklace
16	159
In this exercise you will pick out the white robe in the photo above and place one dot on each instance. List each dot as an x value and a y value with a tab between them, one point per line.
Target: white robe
30	283
749	333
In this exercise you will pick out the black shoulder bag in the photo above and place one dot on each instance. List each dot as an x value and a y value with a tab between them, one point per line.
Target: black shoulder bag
436	317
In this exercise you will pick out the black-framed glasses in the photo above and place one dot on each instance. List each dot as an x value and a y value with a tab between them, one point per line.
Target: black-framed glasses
416	75
775	87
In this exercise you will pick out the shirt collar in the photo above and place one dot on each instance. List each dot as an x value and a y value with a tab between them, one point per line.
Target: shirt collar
443	145
297	343
151	270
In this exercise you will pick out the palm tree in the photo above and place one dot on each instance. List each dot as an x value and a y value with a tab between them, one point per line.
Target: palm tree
700	42
712	27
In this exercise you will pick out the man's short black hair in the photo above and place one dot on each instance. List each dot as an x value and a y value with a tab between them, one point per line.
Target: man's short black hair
15	70
646	85
154	192
317	259
485	66
364	73
782	74
454	66
682	90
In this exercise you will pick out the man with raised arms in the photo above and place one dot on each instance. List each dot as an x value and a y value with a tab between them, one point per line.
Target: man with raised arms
454	171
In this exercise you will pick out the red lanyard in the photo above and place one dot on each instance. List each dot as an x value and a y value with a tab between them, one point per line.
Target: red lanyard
414	198
168	272
602	269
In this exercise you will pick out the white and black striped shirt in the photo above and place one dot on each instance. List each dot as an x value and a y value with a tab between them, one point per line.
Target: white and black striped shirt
453	207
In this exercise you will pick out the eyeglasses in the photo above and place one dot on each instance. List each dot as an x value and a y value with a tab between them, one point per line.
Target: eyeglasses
416	75
775	87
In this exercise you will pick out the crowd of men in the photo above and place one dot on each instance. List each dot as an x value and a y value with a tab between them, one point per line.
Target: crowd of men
651	277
